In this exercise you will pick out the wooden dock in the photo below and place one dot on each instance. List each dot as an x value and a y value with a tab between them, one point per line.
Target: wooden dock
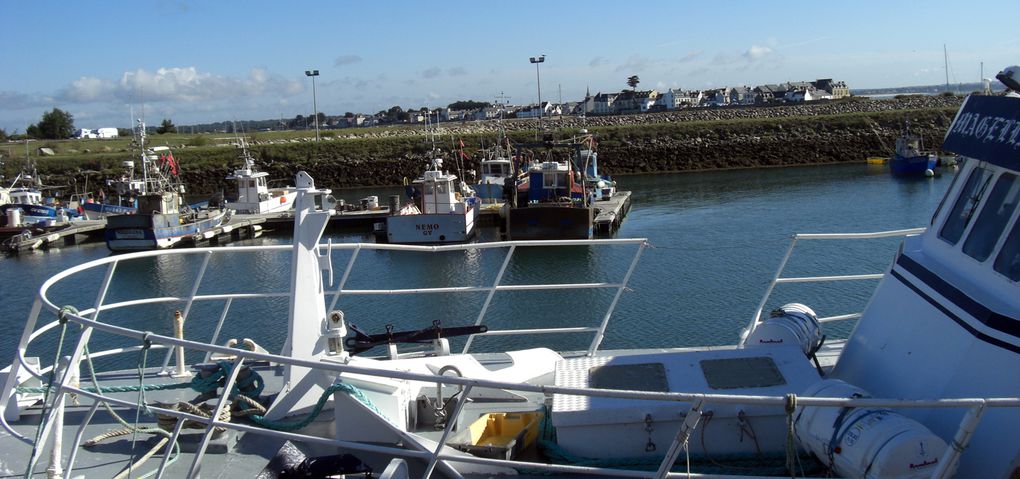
71	233
609	213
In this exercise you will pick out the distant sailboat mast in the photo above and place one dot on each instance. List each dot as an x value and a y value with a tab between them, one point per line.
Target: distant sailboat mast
945	55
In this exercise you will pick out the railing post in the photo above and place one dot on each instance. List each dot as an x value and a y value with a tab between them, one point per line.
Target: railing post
343	279
492	292
224	401
947	463
446	431
219	327
597	340
187	307
768	292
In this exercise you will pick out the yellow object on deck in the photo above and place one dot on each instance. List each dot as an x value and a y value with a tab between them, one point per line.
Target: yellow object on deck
877	160
501	434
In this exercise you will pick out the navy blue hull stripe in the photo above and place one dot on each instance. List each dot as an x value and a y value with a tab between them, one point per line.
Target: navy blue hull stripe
996	321
948	293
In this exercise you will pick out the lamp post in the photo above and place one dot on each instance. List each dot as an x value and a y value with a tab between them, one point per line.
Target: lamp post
313	74
538	77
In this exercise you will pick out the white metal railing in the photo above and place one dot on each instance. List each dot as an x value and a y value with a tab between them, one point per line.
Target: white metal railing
778	278
88	320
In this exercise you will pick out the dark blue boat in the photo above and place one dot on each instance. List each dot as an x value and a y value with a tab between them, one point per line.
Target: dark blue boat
910	159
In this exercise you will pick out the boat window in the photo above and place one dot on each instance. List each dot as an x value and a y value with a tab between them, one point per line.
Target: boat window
549	180
966	204
1008	261
442	188
942	202
998	209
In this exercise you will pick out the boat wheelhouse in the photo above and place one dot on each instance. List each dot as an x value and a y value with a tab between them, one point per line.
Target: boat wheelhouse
252	194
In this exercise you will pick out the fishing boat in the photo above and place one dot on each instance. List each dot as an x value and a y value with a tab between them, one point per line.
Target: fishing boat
252	194
124	191
555	198
910	158
497	168
921	386
25	204
162	219
436	212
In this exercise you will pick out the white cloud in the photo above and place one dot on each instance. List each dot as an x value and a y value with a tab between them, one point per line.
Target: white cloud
757	53
179	84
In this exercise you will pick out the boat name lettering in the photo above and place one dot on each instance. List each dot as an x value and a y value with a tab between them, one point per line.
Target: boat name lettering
770	341
426	227
987	128
934	460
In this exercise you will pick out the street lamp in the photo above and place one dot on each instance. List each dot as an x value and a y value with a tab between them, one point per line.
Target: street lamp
313	74
538	77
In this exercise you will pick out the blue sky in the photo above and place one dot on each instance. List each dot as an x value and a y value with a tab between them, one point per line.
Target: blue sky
197	62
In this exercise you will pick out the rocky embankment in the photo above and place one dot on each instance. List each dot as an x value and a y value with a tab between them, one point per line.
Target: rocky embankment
687	140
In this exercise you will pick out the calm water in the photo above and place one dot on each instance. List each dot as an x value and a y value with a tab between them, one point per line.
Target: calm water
716	239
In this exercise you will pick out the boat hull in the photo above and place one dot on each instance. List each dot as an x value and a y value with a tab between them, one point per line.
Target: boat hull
141	232
96	211
549	222
912	165
431	228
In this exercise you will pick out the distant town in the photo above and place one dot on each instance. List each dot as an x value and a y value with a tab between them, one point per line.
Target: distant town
625	102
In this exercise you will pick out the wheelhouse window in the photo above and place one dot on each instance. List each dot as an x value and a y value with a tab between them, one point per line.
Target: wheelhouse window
966	205
1008	261
998	209
554	180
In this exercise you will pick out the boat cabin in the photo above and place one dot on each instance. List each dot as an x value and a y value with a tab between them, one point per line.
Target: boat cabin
496	169
25	196
549	181
435	193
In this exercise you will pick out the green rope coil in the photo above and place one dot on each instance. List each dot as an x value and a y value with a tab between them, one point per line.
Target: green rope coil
348	389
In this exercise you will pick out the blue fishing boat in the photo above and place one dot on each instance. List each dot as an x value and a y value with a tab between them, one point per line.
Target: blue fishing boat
555	198
25	204
910	159
122	198
162	218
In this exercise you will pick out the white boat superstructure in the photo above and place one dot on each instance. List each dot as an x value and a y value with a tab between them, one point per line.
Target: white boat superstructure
921	387
436	213
252	194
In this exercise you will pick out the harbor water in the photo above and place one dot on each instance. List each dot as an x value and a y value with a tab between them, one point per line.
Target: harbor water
715	238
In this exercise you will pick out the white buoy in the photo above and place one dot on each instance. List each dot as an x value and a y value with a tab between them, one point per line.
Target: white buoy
929	173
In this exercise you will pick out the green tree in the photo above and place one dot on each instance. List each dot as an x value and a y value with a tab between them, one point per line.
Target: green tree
3	135
56	124
633	81
166	127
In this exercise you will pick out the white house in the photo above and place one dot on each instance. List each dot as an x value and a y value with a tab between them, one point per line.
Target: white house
107	133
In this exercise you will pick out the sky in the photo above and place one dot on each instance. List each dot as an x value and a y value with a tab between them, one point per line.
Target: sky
206	61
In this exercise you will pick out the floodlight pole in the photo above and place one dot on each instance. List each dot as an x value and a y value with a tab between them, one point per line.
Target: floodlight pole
538	77
313	74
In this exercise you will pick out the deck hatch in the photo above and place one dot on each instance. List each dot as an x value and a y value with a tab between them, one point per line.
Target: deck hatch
740	373
630	377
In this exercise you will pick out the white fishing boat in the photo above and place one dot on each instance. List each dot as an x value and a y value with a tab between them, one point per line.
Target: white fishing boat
252	194
923	386
436	212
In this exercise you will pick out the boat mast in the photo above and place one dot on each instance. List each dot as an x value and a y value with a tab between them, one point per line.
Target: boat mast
945	56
